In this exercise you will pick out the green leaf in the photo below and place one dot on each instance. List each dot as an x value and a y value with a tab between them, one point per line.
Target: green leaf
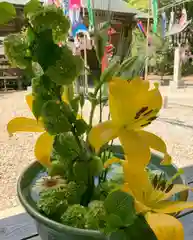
121	204
81	171
114	222
96	166
139	229
55	116
81	126
30	35
110	71
126	65
119	234
32	6
7	11
134	67
101	38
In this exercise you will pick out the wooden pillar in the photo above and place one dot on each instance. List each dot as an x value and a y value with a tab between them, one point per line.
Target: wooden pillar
19	20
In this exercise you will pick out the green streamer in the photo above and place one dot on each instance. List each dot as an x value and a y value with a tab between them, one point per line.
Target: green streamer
90	14
155	15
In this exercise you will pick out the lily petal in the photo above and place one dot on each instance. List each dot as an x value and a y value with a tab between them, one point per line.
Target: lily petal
157	144
43	149
172	206
126	99
132	142
23	124
137	181
155	99
65	96
139	207
121	105
29	100
150	100
165	226
137	84
102	134
177	188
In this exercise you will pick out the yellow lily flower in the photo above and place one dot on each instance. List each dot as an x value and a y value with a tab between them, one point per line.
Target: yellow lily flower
43	146
132	106
153	203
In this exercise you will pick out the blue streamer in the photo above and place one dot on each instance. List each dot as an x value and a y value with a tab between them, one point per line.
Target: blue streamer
164	24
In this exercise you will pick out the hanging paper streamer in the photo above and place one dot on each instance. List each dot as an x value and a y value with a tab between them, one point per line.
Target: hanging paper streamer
171	23
184	17
74	15
74	4
141	28
74	11
155	15
164	24
90	14
66	7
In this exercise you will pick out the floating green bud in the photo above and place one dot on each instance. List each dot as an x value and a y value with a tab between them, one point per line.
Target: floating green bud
51	17
55	116
16	47
74	216
66	69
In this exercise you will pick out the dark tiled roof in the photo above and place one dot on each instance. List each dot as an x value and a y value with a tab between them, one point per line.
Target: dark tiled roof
115	6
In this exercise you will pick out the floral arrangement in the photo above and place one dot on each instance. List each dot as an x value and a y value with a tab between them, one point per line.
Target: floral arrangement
79	189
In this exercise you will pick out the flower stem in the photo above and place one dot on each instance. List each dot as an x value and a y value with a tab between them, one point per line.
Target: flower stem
93	107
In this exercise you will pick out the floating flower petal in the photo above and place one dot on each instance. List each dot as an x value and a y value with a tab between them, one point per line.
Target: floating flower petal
43	149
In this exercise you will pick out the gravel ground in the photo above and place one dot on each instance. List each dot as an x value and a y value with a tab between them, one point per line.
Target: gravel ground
16	152
175	126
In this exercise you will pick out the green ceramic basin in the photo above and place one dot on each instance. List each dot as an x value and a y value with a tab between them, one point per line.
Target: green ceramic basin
51	230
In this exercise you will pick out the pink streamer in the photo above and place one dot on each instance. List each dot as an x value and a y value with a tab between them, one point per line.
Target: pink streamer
74	4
